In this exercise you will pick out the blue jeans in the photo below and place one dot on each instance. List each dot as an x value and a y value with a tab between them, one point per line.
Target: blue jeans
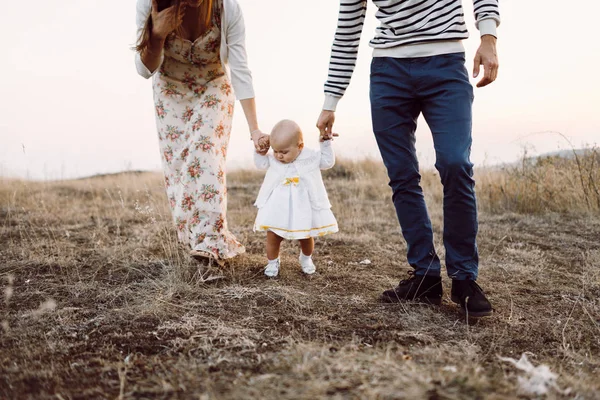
438	87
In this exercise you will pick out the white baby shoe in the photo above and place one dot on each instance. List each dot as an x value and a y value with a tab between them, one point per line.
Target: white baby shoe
308	267
272	268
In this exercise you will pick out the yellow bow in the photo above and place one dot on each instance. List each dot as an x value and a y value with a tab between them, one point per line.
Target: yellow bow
291	181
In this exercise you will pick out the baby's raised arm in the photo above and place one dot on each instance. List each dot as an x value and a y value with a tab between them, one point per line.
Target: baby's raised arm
327	155
261	162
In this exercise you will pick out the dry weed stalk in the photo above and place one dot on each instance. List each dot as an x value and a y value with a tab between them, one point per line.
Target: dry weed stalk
537	185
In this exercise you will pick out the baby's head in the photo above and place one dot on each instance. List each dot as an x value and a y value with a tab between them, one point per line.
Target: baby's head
286	141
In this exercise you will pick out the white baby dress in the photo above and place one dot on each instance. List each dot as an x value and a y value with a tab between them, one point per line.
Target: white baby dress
292	201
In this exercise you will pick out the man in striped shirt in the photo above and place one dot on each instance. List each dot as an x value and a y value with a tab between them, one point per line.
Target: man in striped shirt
418	67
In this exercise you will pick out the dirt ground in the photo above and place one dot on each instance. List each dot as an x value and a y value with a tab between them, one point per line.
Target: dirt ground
100	302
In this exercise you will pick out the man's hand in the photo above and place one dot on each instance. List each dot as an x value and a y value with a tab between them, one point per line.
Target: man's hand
486	55
322	139
325	124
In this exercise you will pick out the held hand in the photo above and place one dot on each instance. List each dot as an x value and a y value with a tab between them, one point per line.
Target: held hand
486	55
322	139
261	142
325	124
166	21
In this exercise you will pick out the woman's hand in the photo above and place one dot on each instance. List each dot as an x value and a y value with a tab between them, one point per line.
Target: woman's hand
167	20
261	142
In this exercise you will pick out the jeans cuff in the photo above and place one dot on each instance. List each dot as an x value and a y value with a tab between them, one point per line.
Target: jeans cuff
435	273
463	276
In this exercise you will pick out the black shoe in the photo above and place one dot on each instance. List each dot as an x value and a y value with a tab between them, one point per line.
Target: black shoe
423	288
471	298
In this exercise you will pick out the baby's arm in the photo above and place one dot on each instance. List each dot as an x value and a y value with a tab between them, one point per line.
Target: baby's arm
327	155
261	161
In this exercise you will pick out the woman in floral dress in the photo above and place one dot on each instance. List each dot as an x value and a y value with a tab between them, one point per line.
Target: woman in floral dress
188	46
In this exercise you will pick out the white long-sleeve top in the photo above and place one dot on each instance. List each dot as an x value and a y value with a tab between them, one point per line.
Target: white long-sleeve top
408	28
232	51
307	167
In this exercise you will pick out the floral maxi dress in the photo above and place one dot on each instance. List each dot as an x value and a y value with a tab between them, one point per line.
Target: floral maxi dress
194	111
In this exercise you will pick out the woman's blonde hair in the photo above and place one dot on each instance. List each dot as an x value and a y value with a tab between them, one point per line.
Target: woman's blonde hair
144	39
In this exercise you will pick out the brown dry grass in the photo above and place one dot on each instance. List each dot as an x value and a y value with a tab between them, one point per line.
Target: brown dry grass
542	184
130	317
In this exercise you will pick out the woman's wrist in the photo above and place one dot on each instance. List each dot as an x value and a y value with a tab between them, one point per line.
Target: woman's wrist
254	132
158	36
156	44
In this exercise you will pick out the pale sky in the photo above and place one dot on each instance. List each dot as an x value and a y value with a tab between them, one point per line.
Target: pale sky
71	103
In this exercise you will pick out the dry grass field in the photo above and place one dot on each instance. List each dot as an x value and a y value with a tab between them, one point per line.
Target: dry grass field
99	301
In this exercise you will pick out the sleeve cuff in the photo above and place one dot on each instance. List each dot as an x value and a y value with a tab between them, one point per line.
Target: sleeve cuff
325	143
244	93
487	27
142	69
330	102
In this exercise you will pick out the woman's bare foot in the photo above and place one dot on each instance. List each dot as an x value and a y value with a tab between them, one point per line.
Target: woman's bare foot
206	258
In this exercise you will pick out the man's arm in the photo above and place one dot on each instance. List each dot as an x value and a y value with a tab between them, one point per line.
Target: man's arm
343	59
344	50
487	19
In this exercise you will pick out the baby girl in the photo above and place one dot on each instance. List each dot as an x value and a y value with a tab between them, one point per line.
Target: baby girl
292	201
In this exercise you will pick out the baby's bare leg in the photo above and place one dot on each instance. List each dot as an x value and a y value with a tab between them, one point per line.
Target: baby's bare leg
307	246
273	245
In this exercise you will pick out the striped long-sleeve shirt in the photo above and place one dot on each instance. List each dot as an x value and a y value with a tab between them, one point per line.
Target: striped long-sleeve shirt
408	28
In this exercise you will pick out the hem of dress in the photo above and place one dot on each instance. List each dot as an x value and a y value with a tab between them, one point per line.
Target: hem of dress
291	234
226	257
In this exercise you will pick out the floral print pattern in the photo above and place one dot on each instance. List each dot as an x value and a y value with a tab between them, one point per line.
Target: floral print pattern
205	144
211	101
194	110
160	109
